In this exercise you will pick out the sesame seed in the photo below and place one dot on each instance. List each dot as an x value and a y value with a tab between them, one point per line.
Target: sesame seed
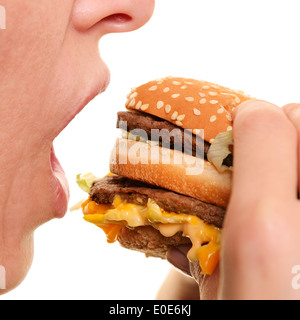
196	131
189	99
138	105
206	87
168	108
213	119
197	112
189	82
236	98
144	107
215	86
221	110
166	89
181	117
213	101
175	95
153	88
174	115
159	104
132	103
228	116
183	87
229	128
179	123
177	83
213	93
238	91
133	95
202	101
201	94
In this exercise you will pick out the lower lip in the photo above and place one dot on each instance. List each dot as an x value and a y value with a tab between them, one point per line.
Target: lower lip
61	186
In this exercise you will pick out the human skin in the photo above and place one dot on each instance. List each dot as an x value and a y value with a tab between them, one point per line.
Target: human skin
50	68
261	232
177	286
260	237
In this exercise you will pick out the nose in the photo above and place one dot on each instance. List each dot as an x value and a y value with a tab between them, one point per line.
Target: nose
110	16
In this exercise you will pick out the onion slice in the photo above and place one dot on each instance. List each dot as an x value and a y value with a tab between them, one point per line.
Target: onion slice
219	150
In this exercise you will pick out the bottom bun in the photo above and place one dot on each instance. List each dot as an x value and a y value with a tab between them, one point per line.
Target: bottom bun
150	241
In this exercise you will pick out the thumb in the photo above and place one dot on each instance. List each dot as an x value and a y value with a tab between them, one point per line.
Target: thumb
208	284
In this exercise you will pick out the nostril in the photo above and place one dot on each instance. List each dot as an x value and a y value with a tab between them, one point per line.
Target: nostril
118	18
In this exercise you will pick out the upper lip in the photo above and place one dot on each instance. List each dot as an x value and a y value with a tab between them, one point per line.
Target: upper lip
58	172
95	91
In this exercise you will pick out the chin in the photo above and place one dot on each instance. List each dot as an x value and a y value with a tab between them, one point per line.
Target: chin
19	256
19	245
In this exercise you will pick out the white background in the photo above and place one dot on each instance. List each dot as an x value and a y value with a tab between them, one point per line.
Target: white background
249	45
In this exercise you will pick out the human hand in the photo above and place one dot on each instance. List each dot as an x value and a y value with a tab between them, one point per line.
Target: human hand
178	286
178	283
260	241
260	238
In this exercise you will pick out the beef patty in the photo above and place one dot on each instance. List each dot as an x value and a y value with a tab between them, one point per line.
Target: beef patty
103	192
169	135
150	241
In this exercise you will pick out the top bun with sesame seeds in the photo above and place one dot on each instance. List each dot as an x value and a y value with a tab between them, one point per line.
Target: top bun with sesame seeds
193	112
188	103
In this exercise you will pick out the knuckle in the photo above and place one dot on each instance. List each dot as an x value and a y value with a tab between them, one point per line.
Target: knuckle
263	117
255	114
292	109
293	113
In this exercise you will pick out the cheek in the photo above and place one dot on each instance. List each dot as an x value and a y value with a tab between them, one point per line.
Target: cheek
29	49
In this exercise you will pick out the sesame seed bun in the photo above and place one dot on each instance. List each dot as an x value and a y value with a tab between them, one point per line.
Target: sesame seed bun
188	103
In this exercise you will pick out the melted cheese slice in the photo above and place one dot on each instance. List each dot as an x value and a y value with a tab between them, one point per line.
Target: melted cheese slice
113	217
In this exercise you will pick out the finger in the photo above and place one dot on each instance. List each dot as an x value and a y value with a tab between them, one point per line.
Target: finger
177	286
293	113
265	153
177	256
208	284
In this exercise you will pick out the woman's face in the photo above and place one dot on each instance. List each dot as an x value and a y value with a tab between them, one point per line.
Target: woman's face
50	69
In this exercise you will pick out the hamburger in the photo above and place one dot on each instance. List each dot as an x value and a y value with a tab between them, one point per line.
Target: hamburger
171	170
